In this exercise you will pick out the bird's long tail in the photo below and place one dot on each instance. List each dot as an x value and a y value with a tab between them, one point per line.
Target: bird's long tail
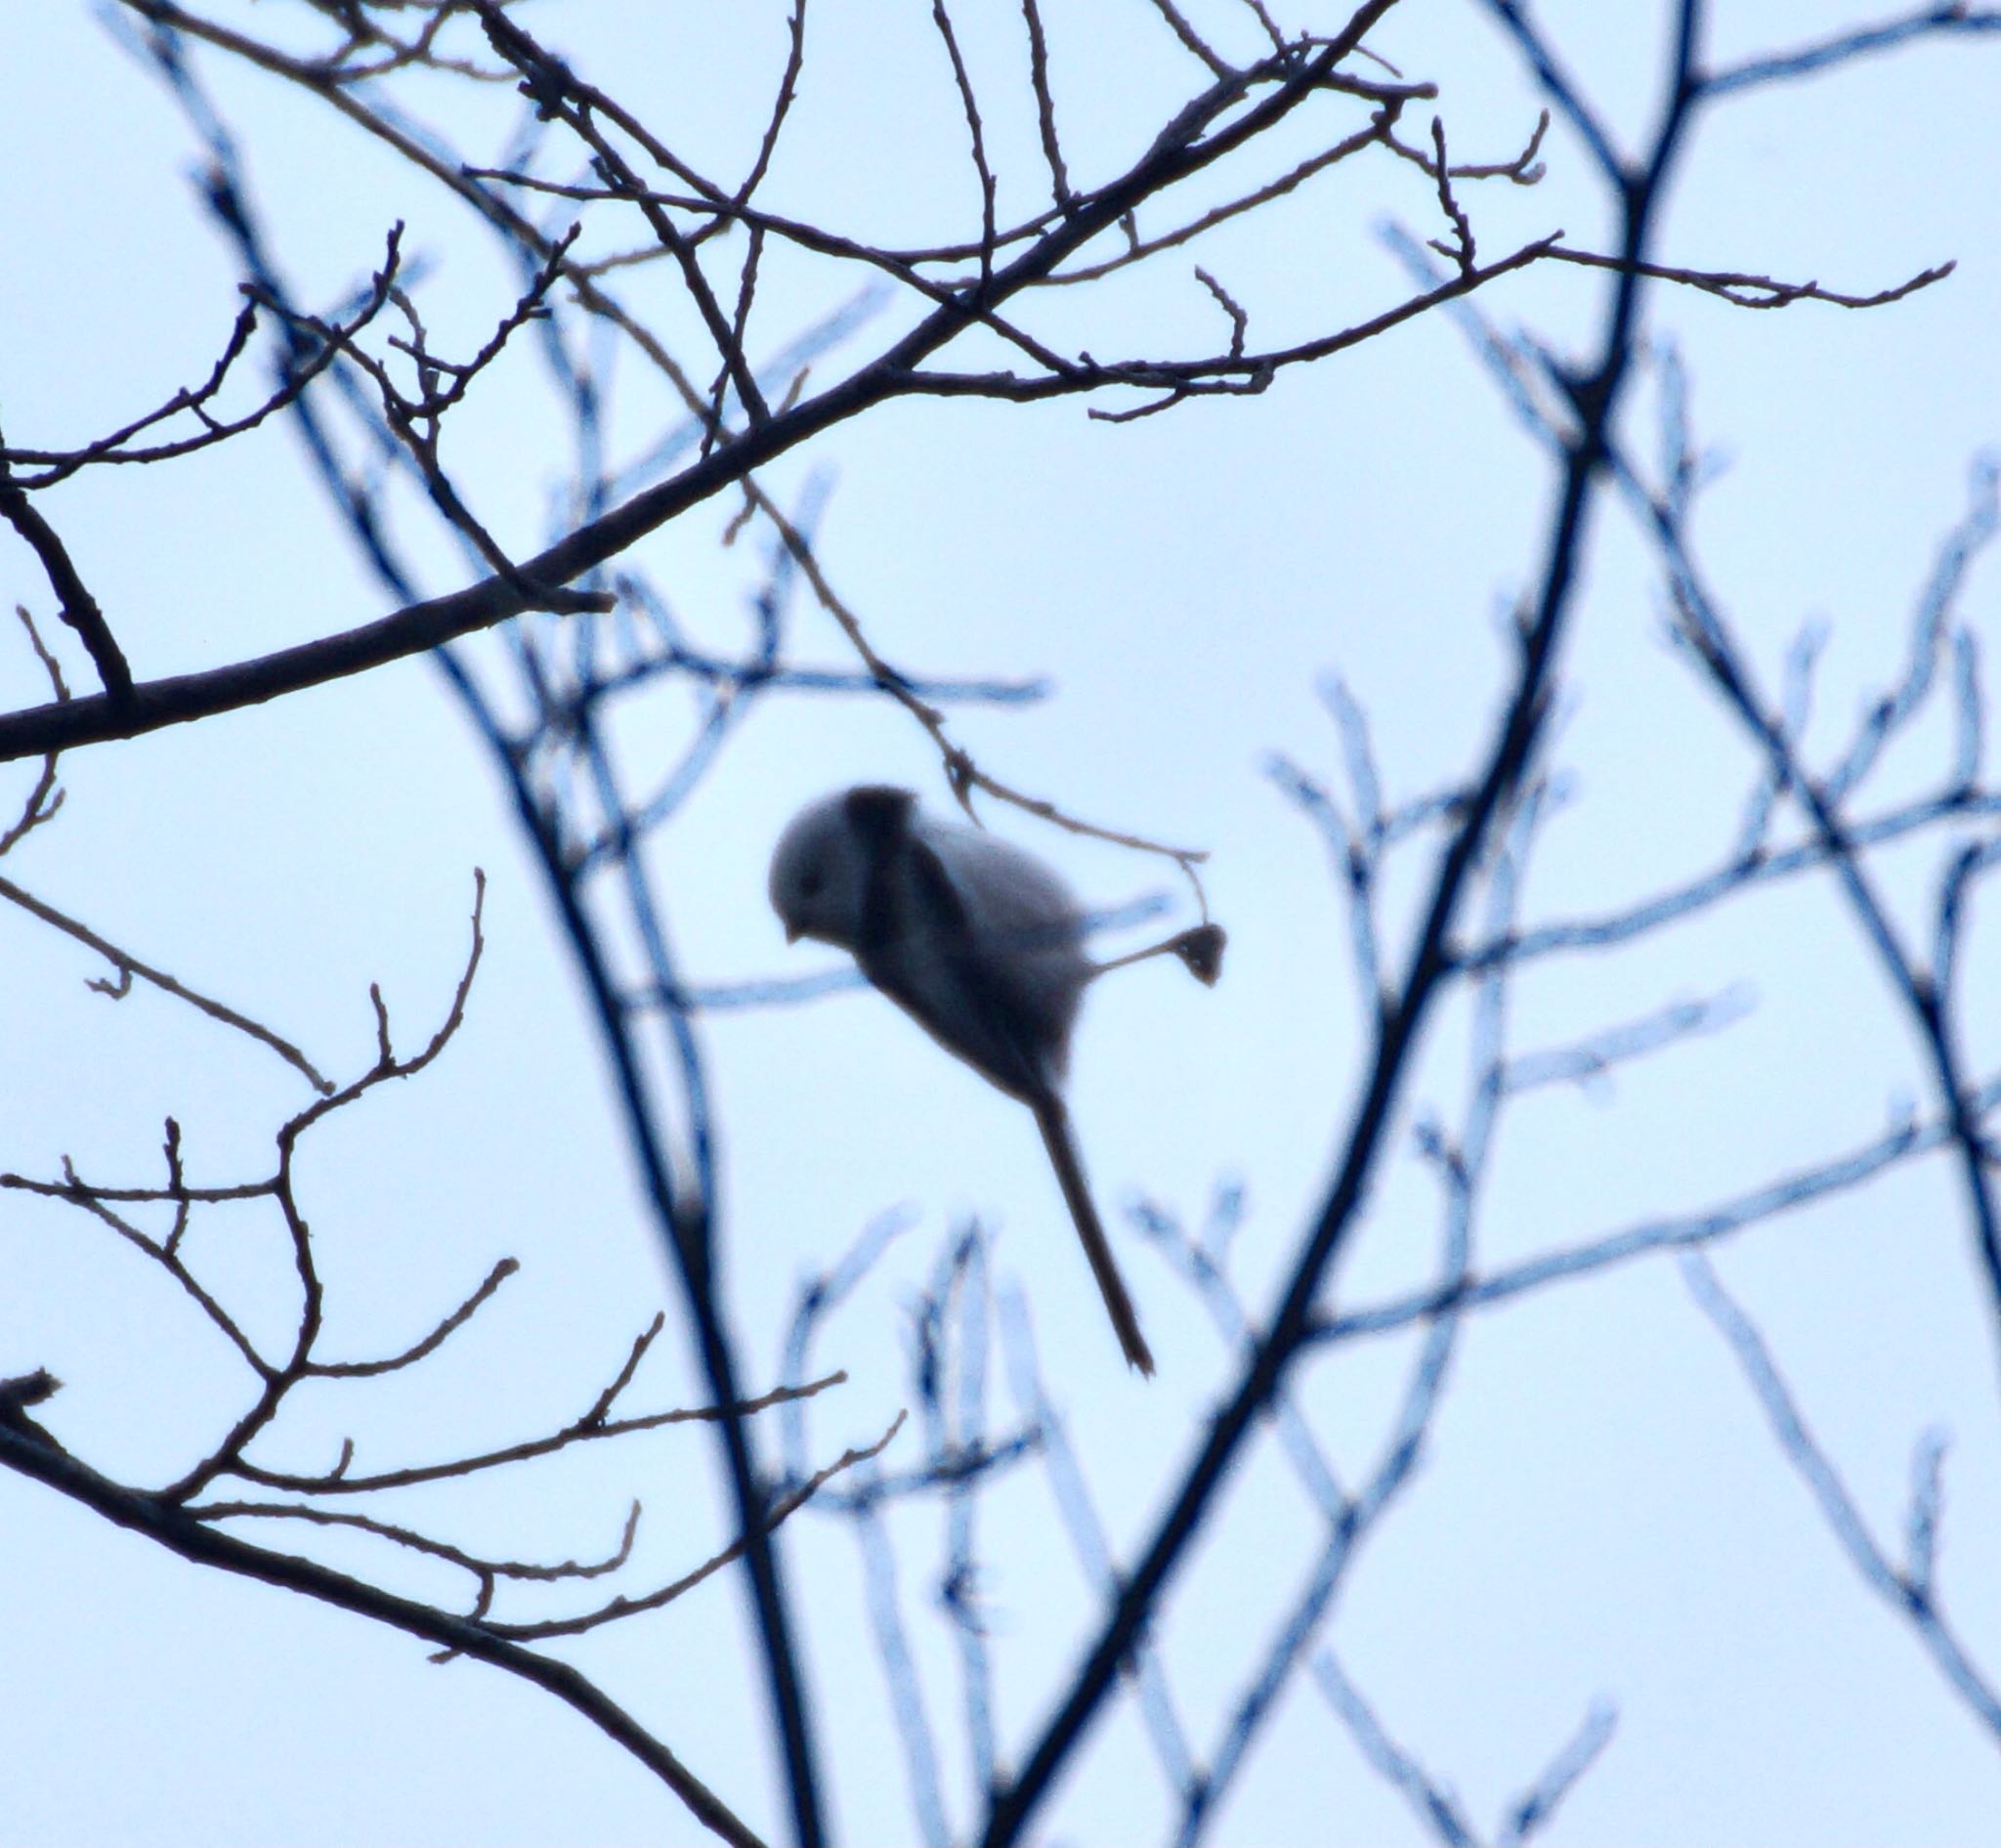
1054	1122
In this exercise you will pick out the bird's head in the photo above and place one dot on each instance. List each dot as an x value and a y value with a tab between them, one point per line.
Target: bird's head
818	872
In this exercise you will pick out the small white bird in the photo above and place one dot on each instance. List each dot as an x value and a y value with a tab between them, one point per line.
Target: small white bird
978	942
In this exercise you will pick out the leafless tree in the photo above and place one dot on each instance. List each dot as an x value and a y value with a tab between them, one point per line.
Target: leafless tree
624	241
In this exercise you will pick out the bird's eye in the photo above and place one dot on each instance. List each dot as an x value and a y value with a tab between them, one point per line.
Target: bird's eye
811	883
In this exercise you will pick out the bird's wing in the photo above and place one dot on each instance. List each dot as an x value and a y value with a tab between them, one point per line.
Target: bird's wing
1028	932
919	947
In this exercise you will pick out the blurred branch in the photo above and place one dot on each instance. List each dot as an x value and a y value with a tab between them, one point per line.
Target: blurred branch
1708	643
1802	1186
1530	1811
1910	1593
1508	760
45	800
1070	1488
1934	20
1352	1518
589	818
1434	1806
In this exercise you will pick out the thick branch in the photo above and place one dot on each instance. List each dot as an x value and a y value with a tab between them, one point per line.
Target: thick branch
193	1539
77	607
1180	151
1515	738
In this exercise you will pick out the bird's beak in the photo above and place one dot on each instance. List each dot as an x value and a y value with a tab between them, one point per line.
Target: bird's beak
794	932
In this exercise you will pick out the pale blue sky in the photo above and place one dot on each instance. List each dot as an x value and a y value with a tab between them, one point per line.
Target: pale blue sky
1602	1514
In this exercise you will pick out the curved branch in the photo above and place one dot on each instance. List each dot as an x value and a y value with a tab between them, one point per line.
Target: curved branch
1182	150
129	966
181	1532
1517	735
